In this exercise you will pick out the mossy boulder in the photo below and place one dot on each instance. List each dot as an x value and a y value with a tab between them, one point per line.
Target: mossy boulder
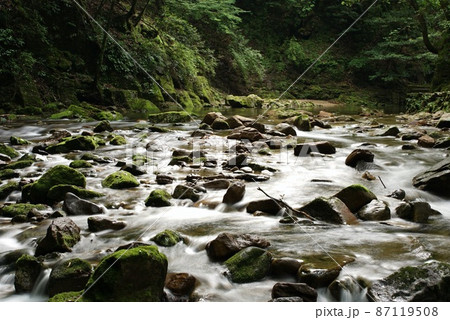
9	151
250	101
58	175
61	236
71	296
120	180
118	140
28	269
435	179
249	265
20	164
137	274
78	164
20	209
331	210
429	282
8	174
158	198
220	124
303	123
139	107
58	192
167	238
17	141
170	117
181	160
103	126
355	196
73	144
8	188
69	275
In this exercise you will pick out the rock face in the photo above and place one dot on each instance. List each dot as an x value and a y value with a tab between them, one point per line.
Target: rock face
357	156
167	238
227	244
323	147
137	274
429	282
436	179
376	210
234	194
302	290
96	224
249	265
331	210
355	196
158	198
60	174
28	269
75	206
266	205
61	236
120	180
70	275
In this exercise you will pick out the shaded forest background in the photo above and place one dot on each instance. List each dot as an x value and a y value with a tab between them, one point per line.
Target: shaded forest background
53	55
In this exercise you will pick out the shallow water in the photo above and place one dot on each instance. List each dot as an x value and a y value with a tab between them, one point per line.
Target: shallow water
379	249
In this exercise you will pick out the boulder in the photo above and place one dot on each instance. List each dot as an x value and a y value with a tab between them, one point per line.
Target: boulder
20	209
58	175
103	126
250	101
73	143
118	140
442	143
76	206
429	282
241	160
217	184
158	198
323	147
58	193
415	211
331	210
17	141
62	235
247	133
391	132
170	117
286	128
227	244
436	179
268	206
302	123
220	124
8	188
163	179
412	136
398	194
318	278
28	269
345	284
375	210
444	121
357	156
8	151
234	122
134	169
96	224
285	267
234	194
69	275
355	196
186	192
79	164
120	180
302	290
8	174
249	265
211	116
426	141
167	238
181	284
133	275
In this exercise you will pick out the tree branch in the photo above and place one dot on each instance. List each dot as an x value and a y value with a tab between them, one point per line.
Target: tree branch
423	26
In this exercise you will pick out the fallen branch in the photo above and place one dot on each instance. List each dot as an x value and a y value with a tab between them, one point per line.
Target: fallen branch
283	204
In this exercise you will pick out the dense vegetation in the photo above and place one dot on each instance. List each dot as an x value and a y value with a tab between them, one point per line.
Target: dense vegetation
52	53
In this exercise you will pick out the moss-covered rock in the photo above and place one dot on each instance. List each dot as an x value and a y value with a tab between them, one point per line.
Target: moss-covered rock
103	126
158	198
331	210
167	238
118	140
58	192
85	111
17	141
170	117
137	274
8	188
9	151
28	269
71	296
178	161
60	174
69	275
61	236
120	180
74	143
139	107
20	209
249	265
8	174
302	123
250	101
20	164
77	164
355	196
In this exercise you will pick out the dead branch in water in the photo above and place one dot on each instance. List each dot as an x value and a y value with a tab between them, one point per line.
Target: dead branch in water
283	204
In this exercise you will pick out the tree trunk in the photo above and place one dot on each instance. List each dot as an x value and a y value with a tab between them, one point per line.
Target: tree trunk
139	18
423	27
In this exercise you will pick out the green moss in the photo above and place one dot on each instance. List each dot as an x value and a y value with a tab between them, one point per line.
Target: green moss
109	116
179	160
184	99
16	141
118	141
158	198
170	117
20	164
19	209
76	164
57	193
141	108
249	265
167	238
72	296
9	151
8	174
140	159
8	188
120	180
74	143
57	175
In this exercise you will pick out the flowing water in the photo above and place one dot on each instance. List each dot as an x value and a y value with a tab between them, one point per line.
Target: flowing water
378	248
